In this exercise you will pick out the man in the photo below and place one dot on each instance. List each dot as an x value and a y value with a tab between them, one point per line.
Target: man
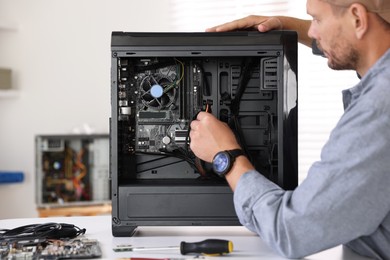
345	197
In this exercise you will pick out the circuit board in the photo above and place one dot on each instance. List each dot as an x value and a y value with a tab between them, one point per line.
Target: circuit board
79	248
72	169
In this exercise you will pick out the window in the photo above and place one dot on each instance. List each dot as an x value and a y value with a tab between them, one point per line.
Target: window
320	100
190	15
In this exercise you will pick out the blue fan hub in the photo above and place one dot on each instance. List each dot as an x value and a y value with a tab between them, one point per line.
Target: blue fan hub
156	91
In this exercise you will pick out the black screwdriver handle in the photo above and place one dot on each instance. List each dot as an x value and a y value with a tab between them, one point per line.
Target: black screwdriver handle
208	247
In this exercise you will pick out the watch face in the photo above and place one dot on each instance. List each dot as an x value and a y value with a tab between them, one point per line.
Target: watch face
221	162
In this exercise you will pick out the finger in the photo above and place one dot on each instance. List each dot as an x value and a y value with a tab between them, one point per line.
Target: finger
194	125
272	23
240	24
230	26
202	115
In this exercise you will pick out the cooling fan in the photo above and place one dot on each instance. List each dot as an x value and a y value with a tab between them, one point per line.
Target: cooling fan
157	91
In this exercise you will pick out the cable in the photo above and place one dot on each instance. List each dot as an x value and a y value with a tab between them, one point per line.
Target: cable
248	66
177	80
41	231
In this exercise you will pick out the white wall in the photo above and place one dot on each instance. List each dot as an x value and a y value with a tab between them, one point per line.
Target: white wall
60	57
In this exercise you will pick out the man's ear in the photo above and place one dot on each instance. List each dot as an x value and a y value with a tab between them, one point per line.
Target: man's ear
359	19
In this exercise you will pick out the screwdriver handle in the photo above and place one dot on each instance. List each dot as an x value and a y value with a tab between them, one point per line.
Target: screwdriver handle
208	247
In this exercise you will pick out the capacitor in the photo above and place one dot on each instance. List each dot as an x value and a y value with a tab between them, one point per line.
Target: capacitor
166	140
125	110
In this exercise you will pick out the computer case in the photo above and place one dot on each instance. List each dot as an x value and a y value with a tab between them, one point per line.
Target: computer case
72	170
159	82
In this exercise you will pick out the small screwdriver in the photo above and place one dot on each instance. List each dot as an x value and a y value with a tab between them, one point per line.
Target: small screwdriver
208	247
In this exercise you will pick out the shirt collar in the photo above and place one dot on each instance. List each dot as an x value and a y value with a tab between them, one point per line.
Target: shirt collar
351	94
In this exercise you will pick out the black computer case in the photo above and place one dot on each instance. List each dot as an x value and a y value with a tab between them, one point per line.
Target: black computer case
159	82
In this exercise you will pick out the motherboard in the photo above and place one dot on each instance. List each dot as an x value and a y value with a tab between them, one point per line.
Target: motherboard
159	97
51	249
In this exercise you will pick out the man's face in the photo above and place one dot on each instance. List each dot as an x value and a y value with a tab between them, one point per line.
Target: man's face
332	36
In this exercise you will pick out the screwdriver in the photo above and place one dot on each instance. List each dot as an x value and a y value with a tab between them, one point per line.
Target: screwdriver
207	247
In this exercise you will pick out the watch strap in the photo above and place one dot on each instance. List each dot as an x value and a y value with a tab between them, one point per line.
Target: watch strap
235	153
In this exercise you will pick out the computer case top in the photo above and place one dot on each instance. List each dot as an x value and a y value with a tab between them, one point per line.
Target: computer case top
159	82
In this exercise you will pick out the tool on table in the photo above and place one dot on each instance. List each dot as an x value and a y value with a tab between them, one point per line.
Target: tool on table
207	247
148	258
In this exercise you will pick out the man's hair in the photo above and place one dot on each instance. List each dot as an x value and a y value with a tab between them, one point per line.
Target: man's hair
339	10
383	22
380	7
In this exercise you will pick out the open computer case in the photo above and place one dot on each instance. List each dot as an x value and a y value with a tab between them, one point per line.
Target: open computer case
159	82
72	170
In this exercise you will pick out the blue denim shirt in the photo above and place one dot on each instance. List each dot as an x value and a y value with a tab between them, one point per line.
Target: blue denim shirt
345	198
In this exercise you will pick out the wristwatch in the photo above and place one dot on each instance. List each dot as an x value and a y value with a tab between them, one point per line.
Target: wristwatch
223	161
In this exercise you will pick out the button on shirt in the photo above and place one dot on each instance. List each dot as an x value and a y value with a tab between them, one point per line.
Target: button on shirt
345	198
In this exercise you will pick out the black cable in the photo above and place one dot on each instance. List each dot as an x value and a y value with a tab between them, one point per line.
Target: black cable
41	231
248	66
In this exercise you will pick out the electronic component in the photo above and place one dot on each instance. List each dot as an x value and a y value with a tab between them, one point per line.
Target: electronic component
80	248
72	169
47	241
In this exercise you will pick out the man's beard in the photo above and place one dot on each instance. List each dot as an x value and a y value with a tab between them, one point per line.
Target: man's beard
341	54
347	60
344	61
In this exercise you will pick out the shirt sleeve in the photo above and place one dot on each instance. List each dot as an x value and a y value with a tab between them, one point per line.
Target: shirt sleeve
343	197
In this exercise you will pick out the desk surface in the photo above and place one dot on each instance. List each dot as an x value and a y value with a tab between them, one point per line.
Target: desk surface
246	244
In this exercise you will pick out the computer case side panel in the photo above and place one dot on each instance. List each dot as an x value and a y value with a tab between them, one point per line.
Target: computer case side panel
288	119
113	122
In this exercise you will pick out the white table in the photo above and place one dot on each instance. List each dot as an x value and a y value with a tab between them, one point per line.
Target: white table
246	244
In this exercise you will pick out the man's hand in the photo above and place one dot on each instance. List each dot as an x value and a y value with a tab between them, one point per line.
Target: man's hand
268	23
210	136
252	22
